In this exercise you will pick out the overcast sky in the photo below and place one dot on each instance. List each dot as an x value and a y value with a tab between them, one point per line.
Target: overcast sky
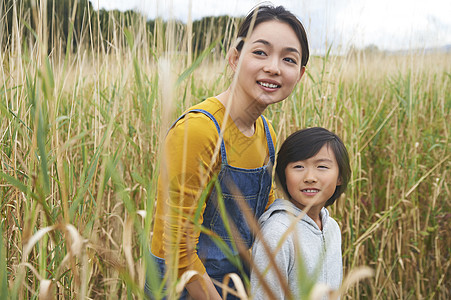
388	24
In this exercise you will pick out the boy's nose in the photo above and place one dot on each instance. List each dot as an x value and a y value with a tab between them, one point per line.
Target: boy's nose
309	177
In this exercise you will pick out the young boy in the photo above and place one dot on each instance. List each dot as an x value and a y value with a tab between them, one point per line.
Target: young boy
313	170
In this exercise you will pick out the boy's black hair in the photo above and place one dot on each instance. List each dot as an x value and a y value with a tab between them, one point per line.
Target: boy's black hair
279	13
306	143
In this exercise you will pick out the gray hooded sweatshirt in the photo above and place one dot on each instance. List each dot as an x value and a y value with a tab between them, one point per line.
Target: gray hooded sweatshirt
318	250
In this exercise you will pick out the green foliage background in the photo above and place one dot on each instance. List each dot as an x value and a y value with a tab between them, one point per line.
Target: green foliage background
86	98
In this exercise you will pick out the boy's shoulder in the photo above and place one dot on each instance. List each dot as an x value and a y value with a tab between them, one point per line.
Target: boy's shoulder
274	227
279	214
277	218
332	224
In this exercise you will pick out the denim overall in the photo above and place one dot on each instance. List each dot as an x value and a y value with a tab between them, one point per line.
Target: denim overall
253	186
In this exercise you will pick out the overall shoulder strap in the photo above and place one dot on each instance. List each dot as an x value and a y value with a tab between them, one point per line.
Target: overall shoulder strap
269	141
218	128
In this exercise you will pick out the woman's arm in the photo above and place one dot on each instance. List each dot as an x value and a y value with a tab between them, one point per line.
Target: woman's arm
184	173
199	292
190	147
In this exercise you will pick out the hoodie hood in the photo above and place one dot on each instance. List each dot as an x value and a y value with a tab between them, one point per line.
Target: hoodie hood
285	206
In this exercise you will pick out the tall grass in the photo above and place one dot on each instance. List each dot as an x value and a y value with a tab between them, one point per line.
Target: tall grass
80	137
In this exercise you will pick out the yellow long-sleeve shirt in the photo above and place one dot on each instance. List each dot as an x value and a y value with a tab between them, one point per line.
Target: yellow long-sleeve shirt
185	171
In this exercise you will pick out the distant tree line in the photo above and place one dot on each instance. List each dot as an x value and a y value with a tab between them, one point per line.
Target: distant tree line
91	28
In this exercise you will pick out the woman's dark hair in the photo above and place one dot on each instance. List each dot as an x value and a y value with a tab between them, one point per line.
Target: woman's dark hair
279	13
306	143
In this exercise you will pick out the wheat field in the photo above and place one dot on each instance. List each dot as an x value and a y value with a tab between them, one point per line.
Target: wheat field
81	128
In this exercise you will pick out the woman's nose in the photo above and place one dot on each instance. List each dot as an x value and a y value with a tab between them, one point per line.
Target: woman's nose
272	66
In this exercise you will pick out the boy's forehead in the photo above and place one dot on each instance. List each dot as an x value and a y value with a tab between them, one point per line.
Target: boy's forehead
325	153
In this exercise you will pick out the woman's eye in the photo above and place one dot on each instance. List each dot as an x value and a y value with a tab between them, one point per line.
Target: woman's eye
298	166
259	52
323	167
290	60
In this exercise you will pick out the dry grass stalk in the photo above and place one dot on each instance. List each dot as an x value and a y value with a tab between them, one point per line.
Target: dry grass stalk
391	110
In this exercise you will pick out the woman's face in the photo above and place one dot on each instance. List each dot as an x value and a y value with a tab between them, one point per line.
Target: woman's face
271	63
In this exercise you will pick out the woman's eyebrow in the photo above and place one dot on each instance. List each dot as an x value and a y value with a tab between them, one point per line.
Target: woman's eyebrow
291	49
266	43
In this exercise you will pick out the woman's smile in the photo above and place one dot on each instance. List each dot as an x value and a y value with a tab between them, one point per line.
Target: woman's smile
269	84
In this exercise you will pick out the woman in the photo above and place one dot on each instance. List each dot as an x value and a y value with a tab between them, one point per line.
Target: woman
268	62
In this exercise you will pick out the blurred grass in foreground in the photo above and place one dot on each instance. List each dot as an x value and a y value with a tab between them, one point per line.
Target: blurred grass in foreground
80	132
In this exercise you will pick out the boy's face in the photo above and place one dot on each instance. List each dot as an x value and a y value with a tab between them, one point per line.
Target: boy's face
313	181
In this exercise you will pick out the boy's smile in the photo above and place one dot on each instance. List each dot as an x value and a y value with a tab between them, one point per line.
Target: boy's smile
313	181
310	192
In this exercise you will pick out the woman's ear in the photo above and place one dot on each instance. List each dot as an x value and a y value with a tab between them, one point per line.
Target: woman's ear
301	74
339	181
234	57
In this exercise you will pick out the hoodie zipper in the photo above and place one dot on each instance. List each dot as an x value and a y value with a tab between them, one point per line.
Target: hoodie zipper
325	258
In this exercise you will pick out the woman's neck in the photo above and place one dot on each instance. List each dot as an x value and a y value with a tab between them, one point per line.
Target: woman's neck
243	113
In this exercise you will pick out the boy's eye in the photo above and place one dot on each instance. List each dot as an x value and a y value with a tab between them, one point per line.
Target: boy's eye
323	167
298	166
